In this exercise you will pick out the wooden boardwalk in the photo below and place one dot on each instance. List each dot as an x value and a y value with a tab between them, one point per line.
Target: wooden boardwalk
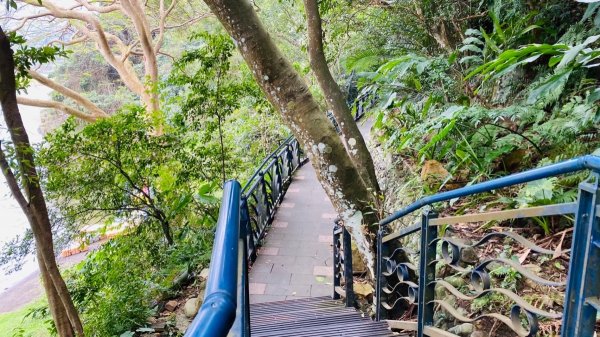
295	260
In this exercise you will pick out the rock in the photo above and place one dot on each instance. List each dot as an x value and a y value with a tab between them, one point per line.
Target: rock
451	300
468	255
182	322
364	290
456	281
151	320
433	174
171	305
159	326
479	334
440	291
464	329
204	273
191	307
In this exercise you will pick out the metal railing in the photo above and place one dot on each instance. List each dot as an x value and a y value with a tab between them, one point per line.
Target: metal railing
265	189
244	216
343	278
409	278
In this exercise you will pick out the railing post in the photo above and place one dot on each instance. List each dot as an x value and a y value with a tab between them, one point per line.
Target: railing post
277	180
247	226
426	273
583	284
241	324
263	188
337	277
379	271
290	156
348	273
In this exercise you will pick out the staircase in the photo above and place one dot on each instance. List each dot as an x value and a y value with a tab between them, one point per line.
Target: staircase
316	316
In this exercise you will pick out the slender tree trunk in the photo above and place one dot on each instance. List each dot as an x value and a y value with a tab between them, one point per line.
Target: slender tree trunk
351	136
166	231
286	90
31	197
57	309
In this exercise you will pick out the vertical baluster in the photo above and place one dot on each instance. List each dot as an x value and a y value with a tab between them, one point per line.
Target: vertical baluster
583	283
265	198
348	273
245	223
242	323
277	180
336	260
379	271
290	157
426	273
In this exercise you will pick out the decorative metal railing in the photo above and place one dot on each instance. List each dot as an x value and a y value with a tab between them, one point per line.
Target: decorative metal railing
343	278
265	189
430	278
244	216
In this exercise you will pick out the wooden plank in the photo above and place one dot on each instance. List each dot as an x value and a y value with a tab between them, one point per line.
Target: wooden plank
530	212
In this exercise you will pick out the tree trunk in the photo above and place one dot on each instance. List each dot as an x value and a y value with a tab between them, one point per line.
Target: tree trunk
351	136
32	200
286	90
57	309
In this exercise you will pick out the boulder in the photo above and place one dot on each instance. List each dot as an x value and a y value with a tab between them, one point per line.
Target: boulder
204	274
464	329
469	256
191	307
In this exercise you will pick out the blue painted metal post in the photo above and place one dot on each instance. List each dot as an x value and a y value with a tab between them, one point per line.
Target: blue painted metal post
583	283
426	273
379	272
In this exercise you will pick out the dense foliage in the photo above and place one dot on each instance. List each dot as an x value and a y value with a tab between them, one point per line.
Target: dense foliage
515	91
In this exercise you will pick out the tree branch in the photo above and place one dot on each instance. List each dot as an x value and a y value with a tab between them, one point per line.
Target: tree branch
94	110
41	103
11	180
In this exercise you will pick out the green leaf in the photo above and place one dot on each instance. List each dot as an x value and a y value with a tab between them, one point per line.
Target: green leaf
592	7
471	58
572	53
473	40
552	85
471	47
472	32
593	96
438	137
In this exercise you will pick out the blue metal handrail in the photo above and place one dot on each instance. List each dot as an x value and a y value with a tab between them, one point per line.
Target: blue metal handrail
396	279
225	311
218	312
569	166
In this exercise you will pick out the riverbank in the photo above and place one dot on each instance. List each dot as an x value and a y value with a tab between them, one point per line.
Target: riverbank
30	288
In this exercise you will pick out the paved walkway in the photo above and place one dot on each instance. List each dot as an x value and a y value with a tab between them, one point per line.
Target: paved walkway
295	260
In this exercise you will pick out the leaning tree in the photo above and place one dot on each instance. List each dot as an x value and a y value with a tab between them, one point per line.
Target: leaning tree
24	183
344	165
